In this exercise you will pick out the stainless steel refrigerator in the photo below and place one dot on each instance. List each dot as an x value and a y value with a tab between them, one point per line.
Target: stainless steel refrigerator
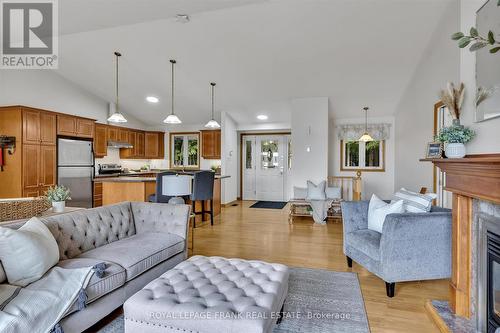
75	170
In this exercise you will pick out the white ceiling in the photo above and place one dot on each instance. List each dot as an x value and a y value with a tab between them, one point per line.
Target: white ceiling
356	52
86	15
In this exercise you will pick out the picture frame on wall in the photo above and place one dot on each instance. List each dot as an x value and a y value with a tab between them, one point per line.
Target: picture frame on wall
434	150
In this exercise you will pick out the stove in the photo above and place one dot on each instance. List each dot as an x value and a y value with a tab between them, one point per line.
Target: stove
109	169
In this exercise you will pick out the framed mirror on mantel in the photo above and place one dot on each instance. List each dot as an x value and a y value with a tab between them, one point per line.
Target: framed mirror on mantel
487	98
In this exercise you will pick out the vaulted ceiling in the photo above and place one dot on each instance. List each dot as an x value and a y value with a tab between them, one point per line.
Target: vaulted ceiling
260	53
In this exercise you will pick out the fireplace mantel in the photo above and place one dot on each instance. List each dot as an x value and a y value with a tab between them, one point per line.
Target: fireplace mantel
475	176
472	177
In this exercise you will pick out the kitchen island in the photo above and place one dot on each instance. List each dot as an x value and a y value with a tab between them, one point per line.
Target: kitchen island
138	188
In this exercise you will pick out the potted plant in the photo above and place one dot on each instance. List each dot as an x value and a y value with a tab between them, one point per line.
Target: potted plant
57	196
455	137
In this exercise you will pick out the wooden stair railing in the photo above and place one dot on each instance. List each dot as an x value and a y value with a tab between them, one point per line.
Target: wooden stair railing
351	186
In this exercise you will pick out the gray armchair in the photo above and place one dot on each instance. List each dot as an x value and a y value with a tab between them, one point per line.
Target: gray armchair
412	246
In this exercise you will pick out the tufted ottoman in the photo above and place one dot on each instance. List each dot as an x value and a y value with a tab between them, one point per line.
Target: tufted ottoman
210	294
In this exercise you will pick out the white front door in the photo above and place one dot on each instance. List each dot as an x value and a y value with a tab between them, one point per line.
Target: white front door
270	169
264	167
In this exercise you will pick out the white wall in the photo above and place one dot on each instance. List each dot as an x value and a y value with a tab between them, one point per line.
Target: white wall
415	113
379	183
486	140
309	114
229	156
46	89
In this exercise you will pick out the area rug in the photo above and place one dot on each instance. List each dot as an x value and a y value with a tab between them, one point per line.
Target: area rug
269	204
318	301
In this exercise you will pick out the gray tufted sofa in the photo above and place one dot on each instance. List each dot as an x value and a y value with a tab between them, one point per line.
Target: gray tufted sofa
137	241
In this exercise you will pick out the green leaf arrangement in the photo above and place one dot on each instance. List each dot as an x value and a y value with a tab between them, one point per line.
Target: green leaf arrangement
58	193
455	134
476	41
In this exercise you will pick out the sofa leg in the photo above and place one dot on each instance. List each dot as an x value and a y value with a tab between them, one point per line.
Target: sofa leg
349	261
389	288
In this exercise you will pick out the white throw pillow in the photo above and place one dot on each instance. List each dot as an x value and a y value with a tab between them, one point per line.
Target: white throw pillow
299	193
415	202
28	252
379	209
316	192
333	193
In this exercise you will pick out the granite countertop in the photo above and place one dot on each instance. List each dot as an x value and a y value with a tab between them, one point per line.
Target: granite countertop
136	179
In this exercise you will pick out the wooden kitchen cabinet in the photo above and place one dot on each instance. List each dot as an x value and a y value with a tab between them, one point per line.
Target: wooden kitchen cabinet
139	151
151	145
31	169
66	125
75	126
39	127
211	144
97	194
129	152
48	128
123	134
85	128
47	175
113	133
100	140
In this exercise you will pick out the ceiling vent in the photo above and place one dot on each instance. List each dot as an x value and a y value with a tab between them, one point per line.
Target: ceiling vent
182	18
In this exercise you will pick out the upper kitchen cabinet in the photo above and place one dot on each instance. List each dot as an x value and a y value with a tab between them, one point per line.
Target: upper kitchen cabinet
211	144
75	126
39	127
113	134
139	151
154	146
100	140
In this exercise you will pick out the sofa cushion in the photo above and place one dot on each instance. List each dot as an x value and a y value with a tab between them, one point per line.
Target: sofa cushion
114	276
366	241
84	230
140	252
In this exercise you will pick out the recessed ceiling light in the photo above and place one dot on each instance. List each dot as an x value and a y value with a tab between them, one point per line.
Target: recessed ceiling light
182	18
262	117
152	99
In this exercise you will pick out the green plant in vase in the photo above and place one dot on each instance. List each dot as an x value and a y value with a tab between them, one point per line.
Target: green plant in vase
58	195
455	137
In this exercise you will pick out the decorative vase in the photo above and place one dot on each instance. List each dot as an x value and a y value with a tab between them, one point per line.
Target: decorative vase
455	150
58	206
455	122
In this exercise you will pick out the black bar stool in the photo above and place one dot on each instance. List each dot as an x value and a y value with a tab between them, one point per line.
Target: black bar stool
203	189
159	197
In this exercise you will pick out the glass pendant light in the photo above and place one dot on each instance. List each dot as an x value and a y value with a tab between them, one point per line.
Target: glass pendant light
366	137
117	117
172	118
212	123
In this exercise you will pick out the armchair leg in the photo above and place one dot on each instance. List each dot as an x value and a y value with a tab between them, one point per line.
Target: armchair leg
349	261
389	288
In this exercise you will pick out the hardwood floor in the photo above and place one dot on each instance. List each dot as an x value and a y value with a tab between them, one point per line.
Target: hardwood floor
264	234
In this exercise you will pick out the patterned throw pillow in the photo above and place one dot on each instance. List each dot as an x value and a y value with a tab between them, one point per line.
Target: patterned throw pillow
415	202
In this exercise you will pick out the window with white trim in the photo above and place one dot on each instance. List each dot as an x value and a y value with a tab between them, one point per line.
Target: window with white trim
365	156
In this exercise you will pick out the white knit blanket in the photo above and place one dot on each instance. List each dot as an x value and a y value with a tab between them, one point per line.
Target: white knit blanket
320	210
38	307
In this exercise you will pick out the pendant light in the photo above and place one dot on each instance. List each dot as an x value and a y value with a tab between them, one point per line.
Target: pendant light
117	117
366	137
212	123
172	118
